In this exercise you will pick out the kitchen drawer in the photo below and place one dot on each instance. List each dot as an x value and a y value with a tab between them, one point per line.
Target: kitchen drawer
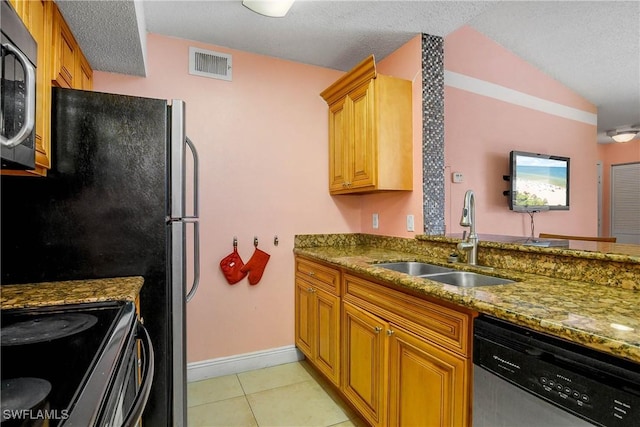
442	325
320	275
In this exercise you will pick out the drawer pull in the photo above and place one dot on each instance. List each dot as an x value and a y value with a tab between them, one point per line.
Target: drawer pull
311	273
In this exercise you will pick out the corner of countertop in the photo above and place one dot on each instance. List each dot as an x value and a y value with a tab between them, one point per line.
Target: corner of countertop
43	294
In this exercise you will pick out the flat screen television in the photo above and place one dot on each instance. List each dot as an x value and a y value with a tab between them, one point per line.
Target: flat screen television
539	182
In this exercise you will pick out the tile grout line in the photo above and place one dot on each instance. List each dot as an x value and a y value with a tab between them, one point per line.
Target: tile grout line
246	398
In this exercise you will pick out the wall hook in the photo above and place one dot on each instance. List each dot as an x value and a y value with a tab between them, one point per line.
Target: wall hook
275	241
255	241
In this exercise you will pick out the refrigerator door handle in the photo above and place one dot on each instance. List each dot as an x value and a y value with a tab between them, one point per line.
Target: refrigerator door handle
196	259
196	180
194	219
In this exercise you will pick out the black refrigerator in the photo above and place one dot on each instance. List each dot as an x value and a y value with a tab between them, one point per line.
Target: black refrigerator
113	205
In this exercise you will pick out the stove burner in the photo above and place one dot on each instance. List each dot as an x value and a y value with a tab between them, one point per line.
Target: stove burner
46	328
23	394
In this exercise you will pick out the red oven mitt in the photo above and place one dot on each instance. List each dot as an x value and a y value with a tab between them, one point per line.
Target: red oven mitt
255	266
231	267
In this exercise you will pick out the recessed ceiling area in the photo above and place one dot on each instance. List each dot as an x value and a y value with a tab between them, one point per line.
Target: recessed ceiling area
592	47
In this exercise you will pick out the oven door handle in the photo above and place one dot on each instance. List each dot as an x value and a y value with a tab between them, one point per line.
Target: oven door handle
137	408
30	101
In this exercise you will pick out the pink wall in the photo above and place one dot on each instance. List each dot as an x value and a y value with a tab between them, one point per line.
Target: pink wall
480	131
392	208
614	154
262	140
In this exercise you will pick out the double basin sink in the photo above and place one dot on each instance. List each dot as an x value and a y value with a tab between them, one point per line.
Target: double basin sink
450	276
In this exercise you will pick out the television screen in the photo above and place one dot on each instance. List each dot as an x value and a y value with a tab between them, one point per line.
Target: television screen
538	182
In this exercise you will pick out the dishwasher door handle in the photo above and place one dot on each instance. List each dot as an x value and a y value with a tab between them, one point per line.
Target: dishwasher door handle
137	408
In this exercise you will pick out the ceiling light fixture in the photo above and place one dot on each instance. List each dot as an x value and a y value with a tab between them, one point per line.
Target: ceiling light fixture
623	135
270	8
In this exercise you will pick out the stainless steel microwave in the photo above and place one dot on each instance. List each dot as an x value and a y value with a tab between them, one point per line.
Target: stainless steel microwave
17	92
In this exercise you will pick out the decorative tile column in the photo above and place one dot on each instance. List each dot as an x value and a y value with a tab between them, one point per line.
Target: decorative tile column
433	134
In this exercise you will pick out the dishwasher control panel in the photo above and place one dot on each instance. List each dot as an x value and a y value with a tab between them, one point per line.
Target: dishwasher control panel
594	386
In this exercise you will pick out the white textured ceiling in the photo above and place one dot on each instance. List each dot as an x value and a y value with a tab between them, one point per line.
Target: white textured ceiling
591	47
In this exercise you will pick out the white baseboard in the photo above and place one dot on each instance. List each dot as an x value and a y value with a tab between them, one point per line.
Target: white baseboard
212	368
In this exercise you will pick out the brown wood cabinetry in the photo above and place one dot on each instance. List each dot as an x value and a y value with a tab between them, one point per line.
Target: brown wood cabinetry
421	359
317	308
60	63
399	359
370	132
365	363
64	52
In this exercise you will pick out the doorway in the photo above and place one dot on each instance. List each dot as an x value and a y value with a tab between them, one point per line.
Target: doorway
625	202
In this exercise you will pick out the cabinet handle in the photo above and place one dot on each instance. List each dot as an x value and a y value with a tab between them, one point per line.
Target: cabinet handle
311	290
377	329
311	273
389	332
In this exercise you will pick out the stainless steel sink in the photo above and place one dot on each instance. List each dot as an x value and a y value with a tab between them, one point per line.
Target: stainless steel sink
415	268
466	279
446	275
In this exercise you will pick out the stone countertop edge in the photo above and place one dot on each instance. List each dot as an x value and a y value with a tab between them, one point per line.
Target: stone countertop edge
579	249
44	294
586	317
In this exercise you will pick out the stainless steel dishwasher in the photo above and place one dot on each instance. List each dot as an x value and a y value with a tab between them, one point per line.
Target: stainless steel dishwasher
523	378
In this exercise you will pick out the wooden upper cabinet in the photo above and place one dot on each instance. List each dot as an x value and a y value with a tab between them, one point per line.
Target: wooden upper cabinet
60	63
370	132
83	73
64	52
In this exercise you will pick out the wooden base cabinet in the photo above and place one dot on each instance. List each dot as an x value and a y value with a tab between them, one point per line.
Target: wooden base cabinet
426	383
365	363
393	372
317	314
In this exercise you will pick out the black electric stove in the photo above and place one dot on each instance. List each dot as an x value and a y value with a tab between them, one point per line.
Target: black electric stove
54	358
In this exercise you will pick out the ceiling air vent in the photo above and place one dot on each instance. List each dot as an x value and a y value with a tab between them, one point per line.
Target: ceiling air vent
207	63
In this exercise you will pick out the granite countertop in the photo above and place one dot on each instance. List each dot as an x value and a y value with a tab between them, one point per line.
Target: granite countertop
70	292
596	316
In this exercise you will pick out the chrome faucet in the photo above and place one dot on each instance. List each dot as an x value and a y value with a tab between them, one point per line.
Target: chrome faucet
468	219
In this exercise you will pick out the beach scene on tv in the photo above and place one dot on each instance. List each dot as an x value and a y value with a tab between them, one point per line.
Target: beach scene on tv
541	182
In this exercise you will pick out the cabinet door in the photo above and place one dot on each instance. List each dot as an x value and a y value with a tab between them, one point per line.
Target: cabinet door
84	73
427	385
338	142
304	327
363	151
40	28
327	328
364	365
64	52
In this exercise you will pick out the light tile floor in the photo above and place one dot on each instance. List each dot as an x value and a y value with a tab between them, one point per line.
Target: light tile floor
286	395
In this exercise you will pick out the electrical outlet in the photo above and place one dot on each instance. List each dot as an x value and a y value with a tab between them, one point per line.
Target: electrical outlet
410	223
374	222
457	177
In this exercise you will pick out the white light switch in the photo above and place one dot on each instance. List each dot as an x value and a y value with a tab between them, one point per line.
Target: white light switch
410	223
457	177
374	221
